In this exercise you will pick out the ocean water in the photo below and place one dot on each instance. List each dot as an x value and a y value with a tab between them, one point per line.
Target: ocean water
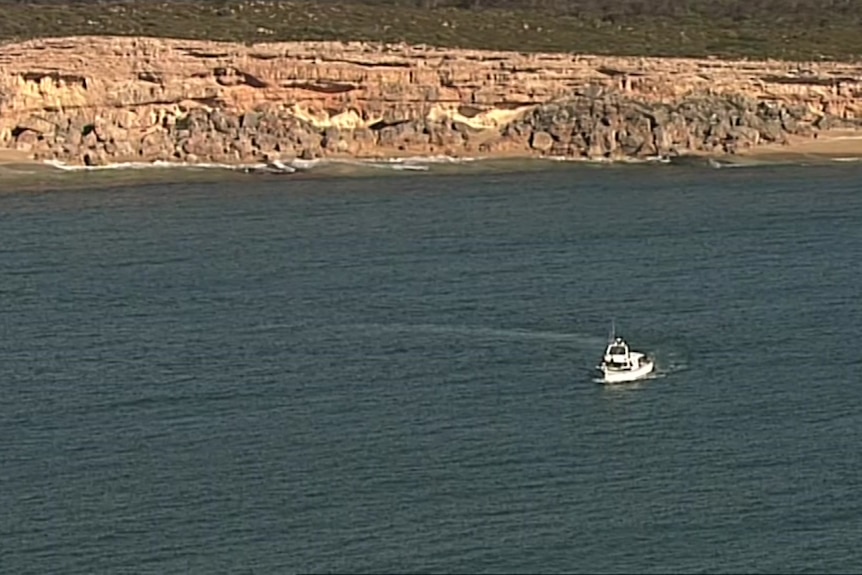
395	374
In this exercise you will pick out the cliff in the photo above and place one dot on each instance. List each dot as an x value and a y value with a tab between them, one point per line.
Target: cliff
95	100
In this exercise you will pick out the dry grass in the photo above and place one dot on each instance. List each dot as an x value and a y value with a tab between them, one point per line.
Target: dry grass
506	24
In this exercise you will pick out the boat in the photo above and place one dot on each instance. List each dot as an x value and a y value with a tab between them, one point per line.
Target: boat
621	365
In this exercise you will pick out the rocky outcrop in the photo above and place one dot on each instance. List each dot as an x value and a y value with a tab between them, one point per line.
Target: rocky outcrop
610	125
100	100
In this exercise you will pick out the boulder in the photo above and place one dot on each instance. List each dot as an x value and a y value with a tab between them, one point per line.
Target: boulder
541	141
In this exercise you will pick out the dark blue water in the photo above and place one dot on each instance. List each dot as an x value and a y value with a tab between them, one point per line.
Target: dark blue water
395	374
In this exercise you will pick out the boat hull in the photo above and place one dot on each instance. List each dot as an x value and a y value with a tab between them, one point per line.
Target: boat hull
611	376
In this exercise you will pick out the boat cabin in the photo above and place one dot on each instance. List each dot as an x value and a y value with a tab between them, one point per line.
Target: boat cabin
617	353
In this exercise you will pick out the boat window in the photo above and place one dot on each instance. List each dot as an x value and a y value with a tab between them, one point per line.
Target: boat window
618	350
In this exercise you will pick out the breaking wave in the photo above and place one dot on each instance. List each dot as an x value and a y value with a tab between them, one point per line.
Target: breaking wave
60	165
623	160
416	163
427	163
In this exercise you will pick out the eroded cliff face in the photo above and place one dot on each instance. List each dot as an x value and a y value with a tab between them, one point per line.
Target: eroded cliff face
96	100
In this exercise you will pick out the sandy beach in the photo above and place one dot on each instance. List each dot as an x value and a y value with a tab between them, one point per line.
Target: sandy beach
8	157
828	146
831	146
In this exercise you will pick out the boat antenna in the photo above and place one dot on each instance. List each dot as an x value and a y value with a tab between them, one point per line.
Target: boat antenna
613	331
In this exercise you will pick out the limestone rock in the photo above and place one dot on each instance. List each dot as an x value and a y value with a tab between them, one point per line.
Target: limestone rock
104	99
541	141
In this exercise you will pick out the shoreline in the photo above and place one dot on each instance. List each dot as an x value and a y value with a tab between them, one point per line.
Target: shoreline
828	146
21	174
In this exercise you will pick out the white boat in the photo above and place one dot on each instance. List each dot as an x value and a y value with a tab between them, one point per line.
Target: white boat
620	364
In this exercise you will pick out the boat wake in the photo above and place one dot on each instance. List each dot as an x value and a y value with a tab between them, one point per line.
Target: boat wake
580	339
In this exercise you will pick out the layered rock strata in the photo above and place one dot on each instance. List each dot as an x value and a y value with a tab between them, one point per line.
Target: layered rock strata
97	100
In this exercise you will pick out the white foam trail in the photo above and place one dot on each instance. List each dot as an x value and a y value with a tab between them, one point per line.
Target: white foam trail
149	165
281	166
286	165
300	164
626	386
416	163
438	159
388	166
718	165
412	163
625	160
513	333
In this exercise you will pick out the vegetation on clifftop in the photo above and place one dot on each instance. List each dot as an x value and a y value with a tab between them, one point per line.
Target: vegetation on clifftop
781	29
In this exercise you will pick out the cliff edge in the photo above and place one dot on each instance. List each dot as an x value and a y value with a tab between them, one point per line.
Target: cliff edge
97	100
